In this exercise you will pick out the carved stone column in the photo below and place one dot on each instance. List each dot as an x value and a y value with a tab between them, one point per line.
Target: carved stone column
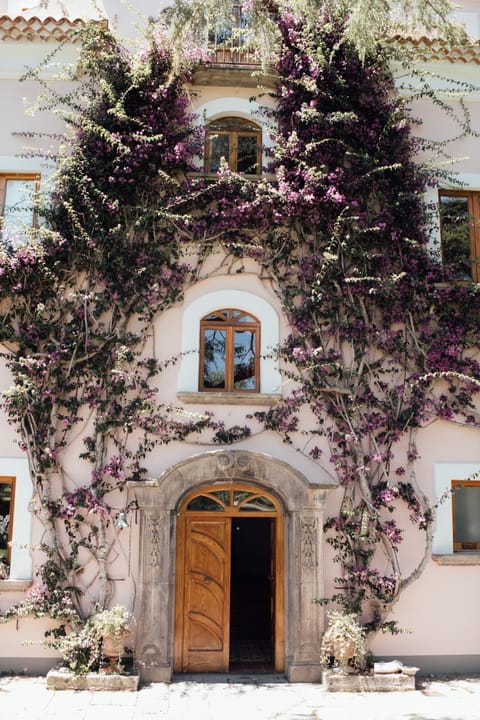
305	585
154	629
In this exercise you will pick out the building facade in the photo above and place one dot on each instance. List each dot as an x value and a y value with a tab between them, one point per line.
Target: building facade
224	555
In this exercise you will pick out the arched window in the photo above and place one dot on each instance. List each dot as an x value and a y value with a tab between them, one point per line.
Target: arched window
229	351
236	141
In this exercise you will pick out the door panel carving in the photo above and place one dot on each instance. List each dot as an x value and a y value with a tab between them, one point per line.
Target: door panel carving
207	594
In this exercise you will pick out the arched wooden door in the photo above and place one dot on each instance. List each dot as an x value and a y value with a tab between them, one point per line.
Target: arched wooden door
204	574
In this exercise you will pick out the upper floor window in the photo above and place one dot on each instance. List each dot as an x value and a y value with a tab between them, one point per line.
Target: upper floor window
460	232
17	205
229	351
7	498
235	141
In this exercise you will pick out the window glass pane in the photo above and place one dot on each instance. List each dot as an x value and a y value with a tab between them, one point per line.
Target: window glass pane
244	360
245	318
223	496
466	503
205	503
455	227
234	124
219	148
257	504
247	154
5	516
217	317
18	209
240	496
214	348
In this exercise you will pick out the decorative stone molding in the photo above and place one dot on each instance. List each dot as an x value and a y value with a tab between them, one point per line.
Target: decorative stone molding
158	503
309	542
305	616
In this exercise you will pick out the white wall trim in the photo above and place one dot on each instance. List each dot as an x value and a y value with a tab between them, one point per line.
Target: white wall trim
270	380
444	473
21	558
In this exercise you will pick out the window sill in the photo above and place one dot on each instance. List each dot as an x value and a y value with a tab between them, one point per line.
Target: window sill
228	398
211	176
14	585
461	558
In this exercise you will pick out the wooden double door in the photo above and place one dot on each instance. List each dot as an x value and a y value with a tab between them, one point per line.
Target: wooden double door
229	611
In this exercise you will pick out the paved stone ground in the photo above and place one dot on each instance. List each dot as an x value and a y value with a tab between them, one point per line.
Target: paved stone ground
23	698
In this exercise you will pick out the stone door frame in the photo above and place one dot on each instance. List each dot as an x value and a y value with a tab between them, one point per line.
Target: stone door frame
159	501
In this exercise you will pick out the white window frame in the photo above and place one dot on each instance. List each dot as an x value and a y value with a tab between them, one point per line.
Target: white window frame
188	376
444	473
21	565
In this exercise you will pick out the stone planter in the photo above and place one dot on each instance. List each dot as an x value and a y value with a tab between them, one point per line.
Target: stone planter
63	679
346	682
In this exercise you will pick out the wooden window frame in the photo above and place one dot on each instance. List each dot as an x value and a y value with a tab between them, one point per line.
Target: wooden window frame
459	545
239	128
10	480
229	325
5	177
473	198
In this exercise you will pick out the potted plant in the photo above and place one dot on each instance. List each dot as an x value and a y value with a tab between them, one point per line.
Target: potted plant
343	643
111	628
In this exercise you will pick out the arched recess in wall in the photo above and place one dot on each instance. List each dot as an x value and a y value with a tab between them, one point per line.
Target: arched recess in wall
241	108
270	380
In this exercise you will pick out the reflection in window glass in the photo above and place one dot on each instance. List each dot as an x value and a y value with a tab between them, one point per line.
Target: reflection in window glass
466	511
239	496
223	496
6	517
214	349
204	503
249	501
238	142
18	210
247	160
244	360
456	239
220	151
229	351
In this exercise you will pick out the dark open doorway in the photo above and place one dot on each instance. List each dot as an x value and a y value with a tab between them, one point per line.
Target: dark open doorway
251	602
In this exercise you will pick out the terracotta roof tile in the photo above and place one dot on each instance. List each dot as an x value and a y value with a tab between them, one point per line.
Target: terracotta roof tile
35	29
437	50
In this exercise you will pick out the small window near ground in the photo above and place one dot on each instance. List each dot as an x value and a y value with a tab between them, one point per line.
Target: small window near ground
460	232
236	142
17	193
229	352
7	497
466	515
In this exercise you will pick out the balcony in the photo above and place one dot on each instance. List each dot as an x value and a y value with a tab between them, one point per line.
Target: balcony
231	59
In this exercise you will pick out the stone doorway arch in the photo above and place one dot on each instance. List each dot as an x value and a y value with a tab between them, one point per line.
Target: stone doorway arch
159	501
